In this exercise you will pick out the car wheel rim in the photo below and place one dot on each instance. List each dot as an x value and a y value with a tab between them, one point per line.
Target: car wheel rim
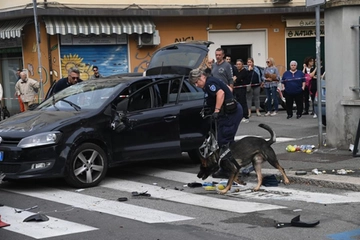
88	166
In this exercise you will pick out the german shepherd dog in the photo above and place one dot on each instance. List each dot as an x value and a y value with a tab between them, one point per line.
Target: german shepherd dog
248	150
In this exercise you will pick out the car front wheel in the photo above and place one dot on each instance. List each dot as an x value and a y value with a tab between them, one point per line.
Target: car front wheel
86	167
194	156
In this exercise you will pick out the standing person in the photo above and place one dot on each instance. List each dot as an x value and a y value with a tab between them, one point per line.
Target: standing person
209	63
71	79
309	71
271	79
21	104
293	83
96	74
254	93
26	88
241	79
217	93
222	69
228	59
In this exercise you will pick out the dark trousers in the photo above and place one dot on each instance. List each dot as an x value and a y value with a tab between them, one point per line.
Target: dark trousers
228	125
306	99
240	95
290	98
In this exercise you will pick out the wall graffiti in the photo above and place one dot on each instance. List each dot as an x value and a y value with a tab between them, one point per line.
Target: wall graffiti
142	66
184	39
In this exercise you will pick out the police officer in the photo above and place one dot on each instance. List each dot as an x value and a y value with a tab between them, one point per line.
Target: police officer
216	94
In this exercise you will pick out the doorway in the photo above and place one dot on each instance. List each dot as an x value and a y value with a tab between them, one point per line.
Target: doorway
237	52
9	78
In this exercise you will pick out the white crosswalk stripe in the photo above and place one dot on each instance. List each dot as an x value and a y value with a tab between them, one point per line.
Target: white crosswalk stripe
38	230
188	198
281	193
278	139
91	203
232	201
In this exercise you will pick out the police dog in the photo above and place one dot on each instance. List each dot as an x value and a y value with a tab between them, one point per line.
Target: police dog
248	150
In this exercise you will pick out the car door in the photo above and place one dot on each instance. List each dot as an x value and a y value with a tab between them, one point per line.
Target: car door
151	127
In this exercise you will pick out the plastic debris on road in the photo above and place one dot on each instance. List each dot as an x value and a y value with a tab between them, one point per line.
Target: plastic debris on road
300	148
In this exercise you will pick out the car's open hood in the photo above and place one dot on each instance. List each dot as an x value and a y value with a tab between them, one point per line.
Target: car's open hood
178	58
36	121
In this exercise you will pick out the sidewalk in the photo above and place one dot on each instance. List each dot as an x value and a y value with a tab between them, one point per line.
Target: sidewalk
327	161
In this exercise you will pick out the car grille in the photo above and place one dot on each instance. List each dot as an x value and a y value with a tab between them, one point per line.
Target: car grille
9	168
10	141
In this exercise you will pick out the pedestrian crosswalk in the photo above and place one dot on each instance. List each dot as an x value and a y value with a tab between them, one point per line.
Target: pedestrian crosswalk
241	202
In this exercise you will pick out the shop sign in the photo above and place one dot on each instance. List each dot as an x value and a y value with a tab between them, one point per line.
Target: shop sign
301	33
305	22
10	43
113	39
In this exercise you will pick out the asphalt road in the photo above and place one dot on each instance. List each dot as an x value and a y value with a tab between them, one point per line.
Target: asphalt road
175	211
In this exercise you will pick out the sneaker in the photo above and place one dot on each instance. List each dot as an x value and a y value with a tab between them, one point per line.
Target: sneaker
273	114
267	114
245	120
315	116
258	114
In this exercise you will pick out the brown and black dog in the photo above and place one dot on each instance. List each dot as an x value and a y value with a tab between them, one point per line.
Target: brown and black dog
248	150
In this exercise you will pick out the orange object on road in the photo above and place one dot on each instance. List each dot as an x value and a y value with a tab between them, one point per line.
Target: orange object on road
3	224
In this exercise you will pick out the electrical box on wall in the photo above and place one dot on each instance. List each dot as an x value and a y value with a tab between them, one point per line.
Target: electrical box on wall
147	39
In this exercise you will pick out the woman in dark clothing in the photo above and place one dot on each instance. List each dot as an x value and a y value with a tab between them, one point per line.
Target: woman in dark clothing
293	83
241	79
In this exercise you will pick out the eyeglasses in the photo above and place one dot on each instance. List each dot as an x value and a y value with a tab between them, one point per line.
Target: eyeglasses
75	78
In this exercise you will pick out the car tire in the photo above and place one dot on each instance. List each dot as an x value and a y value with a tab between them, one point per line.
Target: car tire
194	156
82	175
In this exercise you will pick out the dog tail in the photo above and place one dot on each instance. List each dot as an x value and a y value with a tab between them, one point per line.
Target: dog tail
272	133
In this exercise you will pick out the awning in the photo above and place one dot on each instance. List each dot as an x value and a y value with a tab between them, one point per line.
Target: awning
12	28
98	25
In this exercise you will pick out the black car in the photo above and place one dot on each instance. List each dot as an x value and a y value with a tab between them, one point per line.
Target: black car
81	131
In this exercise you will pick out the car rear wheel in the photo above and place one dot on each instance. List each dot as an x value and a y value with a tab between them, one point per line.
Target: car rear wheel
86	167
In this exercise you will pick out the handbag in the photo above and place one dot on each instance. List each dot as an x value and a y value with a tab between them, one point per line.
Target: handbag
230	106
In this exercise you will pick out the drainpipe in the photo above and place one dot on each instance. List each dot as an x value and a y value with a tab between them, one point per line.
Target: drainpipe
357	88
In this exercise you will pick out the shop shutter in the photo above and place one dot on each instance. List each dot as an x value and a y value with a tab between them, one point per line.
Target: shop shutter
110	59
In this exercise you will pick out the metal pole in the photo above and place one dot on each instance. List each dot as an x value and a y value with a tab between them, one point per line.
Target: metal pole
318	73
37	31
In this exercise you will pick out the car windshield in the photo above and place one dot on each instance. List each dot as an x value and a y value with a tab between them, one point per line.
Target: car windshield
178	55
83	96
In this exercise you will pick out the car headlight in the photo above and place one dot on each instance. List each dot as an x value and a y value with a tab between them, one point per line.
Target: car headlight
40	139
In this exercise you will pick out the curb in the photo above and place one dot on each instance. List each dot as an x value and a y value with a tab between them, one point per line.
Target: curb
323	180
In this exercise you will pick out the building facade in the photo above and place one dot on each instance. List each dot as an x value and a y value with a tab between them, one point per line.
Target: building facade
120	38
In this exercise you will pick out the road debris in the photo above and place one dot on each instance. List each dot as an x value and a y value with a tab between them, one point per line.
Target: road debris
300	148
295	222
135	194
39	217
122	199
3	224
26	209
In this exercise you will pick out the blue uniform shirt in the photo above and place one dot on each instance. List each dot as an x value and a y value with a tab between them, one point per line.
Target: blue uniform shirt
212	86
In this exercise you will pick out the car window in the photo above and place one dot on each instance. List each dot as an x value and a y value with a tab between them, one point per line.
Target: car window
178	56
88	96
141	100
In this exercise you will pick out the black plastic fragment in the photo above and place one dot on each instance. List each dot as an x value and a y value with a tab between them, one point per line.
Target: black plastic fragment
39	217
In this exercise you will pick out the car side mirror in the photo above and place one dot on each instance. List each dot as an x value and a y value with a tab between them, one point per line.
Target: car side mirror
118	123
